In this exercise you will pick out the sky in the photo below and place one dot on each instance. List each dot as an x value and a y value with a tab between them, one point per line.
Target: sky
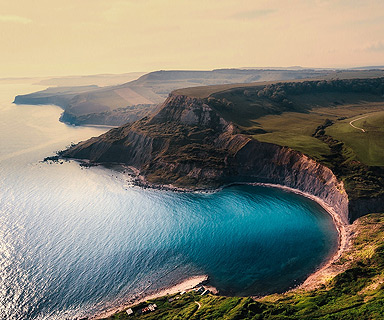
74	37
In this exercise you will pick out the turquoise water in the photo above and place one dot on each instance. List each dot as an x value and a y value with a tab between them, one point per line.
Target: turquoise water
74	241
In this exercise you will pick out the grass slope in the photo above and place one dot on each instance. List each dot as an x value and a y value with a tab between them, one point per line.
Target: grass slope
313	117
369	145
357	293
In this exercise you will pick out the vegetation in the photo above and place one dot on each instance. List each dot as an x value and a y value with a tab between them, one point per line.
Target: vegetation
293	114
368	145
207	91
307	116
357	293
94	105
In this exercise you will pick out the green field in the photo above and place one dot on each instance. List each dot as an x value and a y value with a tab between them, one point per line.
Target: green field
357	293
295	130
314	120
267	121
369	145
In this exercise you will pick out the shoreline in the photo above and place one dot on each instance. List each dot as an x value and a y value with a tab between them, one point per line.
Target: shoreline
326	269
313	280
186	285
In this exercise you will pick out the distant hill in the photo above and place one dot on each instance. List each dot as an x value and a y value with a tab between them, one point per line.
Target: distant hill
369	68
100	80
203	129
119	104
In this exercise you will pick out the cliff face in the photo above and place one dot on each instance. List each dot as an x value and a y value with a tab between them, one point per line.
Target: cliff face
89	105
187	144
265	162
179	144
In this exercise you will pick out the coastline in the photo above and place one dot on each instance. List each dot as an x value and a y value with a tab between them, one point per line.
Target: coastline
320	276
185	285
327	269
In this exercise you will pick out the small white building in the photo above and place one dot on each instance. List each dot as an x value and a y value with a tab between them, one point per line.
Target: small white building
129	312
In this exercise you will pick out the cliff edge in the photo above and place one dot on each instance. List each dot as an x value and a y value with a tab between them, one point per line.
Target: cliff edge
188	144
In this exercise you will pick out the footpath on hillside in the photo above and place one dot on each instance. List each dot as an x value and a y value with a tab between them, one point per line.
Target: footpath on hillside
352	121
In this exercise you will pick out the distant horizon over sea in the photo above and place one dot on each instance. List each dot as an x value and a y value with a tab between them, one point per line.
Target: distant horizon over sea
74	241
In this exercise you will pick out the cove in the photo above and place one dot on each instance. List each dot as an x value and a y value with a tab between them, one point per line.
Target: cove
74	241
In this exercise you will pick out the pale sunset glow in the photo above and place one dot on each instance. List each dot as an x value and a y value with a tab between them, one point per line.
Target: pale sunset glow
45	37
84	37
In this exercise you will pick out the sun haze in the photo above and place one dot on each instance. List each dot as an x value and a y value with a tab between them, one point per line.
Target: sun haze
45	37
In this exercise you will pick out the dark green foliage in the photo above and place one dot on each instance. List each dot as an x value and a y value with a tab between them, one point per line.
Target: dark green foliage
280	91
352	280
378	257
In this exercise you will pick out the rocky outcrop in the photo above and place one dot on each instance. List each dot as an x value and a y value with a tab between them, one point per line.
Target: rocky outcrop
263	162
187	144
189	111
58	100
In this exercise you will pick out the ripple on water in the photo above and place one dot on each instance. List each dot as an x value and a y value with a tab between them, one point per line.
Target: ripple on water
74	239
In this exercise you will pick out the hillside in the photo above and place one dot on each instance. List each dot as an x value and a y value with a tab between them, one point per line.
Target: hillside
128	102
198	142
101	80
288	133
313	117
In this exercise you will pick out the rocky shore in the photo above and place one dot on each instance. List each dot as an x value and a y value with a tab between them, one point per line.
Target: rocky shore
187	144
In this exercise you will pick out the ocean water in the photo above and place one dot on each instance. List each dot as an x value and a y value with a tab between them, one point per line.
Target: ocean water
74	241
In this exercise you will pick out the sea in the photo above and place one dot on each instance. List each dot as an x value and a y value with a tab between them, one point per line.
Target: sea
75	241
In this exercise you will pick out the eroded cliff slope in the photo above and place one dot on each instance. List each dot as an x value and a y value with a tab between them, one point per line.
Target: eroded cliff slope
188	144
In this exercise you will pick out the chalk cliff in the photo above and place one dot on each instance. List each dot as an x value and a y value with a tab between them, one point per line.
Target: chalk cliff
187	144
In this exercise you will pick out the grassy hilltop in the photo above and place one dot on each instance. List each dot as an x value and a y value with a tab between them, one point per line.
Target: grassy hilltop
313	117
317	117
130	101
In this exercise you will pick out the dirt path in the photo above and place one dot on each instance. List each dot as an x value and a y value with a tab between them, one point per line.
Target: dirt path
352	125
198	303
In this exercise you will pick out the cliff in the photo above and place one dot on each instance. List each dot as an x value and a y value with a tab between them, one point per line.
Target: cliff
187	144
85	105
130	101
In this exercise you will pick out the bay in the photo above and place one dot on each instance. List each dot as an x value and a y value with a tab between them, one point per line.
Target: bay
74	241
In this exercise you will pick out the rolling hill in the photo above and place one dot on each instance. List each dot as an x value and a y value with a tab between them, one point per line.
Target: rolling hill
128	102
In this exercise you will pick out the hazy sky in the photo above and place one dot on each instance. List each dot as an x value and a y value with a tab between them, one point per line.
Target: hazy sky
51	37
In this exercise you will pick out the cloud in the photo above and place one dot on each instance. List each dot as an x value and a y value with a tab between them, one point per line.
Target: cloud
251	15
376	46
14	19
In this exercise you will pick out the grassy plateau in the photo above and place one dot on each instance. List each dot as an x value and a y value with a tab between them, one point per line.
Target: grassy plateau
314	117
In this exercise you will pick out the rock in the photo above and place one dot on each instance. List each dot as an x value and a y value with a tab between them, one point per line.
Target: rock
188	144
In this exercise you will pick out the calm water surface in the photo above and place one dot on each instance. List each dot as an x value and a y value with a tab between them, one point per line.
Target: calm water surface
74	241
